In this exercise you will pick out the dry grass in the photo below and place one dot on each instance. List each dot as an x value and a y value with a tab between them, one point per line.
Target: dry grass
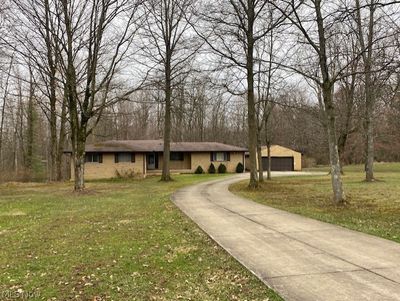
373	207
122	241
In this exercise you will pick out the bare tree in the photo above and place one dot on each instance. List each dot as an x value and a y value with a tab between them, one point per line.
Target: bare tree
311	21
34	37
327	92
169	50
367	44
3	108
94	49
268	84
232	29
375	39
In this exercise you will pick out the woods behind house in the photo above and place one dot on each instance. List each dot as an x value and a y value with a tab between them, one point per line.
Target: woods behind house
316	76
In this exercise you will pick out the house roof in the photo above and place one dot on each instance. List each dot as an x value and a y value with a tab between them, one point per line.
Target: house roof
158	145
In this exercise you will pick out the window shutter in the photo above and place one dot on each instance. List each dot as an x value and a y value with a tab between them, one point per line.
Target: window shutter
116	157
100	158
211	156
132	157
228	156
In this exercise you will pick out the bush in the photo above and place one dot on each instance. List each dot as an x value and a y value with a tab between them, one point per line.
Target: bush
211	169
127	174
239	168
221	168
199	170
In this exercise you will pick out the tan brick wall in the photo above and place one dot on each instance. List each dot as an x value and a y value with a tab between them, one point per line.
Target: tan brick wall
203	160
280	151
185	164
108	168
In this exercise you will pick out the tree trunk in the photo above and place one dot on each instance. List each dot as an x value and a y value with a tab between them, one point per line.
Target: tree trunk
16	149
369	89
369	163
341	147
166	176
251	110
369	104
79	171
1	130
53	141
259	159
336	176
18	136
50	52
30	130
78	154
329	111
252	140
369	126
87	94
349	96
180	118
61	140
78	139
269	161
3	109
78	125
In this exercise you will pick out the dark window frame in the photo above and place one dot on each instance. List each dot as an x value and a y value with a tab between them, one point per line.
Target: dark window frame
227	157
90	157
117	159
180	156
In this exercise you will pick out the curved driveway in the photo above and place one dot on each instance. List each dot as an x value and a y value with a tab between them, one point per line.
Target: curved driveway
300	258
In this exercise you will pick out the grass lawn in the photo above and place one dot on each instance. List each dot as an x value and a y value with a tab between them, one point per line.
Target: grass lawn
122	240
373	208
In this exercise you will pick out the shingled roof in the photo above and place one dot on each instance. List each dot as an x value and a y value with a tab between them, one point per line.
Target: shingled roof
144	146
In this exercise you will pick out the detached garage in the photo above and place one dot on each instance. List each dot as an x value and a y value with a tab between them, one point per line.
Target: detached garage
282	159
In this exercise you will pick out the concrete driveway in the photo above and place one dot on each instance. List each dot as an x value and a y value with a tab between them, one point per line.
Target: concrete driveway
300	258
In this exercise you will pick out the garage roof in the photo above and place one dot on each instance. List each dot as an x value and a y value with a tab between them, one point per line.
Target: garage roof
276	147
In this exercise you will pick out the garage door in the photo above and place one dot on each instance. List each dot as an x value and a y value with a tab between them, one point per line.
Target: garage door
279	163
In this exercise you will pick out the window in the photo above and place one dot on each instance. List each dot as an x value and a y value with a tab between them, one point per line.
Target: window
220	156
93	158
124	157
175	156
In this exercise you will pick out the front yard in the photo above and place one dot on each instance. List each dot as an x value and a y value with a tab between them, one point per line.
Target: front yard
121	240
373	208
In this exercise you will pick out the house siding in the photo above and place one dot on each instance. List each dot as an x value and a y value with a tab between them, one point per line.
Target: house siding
176	165
280	151
108	169
203	160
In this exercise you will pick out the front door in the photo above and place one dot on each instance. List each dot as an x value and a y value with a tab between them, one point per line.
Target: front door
151	161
